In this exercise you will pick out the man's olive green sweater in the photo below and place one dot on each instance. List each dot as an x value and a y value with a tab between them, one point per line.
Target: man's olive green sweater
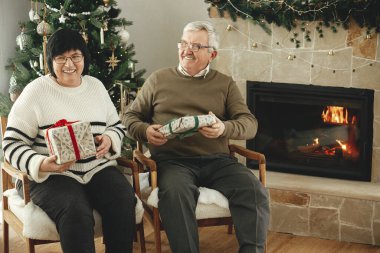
167	94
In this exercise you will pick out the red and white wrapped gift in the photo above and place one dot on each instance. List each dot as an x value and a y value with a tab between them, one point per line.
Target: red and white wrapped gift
70	141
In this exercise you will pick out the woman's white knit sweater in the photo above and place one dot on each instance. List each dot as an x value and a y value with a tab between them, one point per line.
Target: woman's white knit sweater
42	103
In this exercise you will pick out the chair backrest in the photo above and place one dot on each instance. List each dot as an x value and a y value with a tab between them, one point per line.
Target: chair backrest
3	125
4	121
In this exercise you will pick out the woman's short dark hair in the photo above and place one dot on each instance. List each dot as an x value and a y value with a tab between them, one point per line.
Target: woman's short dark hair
64	40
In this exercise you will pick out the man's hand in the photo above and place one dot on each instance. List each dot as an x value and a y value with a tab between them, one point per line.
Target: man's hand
154	136
49	165
213	131
104	145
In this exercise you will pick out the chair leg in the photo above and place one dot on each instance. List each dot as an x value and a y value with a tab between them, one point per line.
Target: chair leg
6	236
142	238
29	245
157	230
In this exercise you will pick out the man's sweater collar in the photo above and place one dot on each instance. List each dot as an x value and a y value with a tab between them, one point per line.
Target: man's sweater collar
203	72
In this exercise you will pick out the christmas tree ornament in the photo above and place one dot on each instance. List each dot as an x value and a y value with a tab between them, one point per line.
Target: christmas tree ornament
12	83
105	25
41	58
106	2
101	36
124	36
14	88
62	19
14	95
36	17
24	40
44	28
31	14
113	60
85	36
131	66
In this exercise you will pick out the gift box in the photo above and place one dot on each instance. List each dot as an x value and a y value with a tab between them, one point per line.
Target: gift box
187	125
70	141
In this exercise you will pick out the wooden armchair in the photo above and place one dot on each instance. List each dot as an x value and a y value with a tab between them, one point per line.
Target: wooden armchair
16	210
207	214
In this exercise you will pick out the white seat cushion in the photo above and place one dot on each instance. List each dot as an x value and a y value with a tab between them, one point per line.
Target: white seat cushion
37	225
211	203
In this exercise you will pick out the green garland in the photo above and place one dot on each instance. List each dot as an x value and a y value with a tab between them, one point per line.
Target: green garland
285	13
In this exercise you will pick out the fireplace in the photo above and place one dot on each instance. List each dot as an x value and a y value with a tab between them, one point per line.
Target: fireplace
313	130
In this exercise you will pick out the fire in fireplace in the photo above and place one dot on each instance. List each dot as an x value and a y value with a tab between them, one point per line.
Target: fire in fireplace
313	130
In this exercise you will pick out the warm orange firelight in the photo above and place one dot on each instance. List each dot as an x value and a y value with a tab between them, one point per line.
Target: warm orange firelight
343	146
335	114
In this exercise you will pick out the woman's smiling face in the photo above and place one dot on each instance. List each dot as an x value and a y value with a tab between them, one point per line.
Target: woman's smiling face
67	70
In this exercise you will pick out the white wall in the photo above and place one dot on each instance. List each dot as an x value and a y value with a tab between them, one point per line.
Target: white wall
157	27
11	13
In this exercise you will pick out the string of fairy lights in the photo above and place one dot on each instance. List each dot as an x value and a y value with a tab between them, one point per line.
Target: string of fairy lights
292	52
310	8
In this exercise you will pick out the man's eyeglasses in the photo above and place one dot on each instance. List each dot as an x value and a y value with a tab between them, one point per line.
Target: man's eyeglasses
192	46
74	58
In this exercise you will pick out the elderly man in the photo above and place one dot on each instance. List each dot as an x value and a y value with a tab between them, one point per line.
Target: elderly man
184	164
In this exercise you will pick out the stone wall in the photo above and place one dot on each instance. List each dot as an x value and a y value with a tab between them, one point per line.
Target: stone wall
348	58
324	216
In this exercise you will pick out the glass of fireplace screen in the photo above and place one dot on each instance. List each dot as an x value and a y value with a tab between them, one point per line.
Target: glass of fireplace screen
337	138
314	135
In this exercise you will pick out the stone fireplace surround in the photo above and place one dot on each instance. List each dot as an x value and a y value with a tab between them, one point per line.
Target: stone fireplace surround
334	209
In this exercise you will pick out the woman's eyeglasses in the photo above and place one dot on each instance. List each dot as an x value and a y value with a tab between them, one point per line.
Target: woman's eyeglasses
74	58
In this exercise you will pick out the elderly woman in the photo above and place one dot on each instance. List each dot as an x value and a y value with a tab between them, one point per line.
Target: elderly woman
69	192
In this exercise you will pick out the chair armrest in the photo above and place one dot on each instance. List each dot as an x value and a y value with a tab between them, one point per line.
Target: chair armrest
253	155
8	172
122	161
149	164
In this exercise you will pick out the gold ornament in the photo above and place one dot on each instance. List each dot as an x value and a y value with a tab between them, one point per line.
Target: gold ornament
44	28
85	37
113	60
106	2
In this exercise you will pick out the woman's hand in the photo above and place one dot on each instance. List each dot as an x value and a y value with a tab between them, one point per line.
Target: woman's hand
49	165
104	145
154	136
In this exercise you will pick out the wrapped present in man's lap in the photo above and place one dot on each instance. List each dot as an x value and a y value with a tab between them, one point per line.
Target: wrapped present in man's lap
70	141
187	125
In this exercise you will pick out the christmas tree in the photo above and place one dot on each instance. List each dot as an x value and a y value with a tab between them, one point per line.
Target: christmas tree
107	40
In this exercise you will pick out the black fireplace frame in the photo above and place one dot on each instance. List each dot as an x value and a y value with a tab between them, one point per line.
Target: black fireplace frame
335	96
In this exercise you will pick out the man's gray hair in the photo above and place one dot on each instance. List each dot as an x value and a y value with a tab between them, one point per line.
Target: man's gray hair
204	26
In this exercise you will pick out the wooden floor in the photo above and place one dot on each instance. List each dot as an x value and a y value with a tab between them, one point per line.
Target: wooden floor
216	240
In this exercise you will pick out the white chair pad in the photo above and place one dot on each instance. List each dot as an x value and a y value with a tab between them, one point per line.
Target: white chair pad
211	203
37	225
